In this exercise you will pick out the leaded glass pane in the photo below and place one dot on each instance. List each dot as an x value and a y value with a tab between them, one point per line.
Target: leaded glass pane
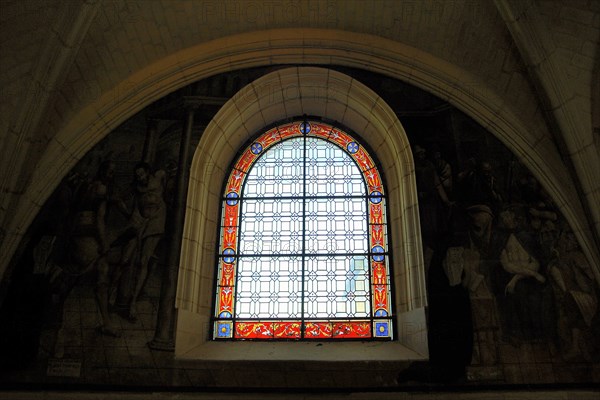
279	172
336	225
337	287
269	287
303	251
330	171
271	226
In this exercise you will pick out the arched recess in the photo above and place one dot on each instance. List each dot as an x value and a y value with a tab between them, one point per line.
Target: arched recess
92	122
279	95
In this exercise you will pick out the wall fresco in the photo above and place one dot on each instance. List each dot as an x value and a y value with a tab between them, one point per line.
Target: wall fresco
512	298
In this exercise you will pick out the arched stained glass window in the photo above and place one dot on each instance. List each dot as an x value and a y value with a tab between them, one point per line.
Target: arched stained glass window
303	247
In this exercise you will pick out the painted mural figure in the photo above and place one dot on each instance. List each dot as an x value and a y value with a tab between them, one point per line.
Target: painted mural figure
86	241
524	297
577	300
481	200
450	325
444	171
518	261
432	196
170	183
543	223
148	220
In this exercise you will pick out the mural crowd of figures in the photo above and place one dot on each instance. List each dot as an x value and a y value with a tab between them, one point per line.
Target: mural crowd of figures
104	234
505	266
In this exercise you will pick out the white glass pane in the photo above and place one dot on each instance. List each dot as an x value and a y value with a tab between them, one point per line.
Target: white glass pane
330	171
271	226
278	172
336	287
269	287
336	225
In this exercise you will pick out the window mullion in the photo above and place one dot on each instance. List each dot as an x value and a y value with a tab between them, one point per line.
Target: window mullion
369	259
303	263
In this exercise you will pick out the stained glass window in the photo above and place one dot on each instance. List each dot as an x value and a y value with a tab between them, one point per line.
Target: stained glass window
303	247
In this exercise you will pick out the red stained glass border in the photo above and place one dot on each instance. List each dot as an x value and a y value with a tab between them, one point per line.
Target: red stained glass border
320	130
377	213
225	300
234	184
226	274
373	181
379	275
381	299
363	159
229	241
267	330
230	215
289	130
246	161
377	235
269	138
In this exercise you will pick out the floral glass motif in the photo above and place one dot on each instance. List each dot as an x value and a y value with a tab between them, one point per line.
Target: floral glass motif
303	250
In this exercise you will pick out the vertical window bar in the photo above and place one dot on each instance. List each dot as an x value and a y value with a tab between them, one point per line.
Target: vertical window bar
303	263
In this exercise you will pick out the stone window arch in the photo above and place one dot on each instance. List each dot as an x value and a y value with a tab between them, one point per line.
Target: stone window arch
282	95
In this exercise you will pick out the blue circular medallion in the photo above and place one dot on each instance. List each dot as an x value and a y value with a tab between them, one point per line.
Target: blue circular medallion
378	253
381	313
305	127
375	197
352	147
232	198
256	148
225	314
228	254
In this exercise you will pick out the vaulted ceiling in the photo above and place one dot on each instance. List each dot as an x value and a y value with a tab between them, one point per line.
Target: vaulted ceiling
527	71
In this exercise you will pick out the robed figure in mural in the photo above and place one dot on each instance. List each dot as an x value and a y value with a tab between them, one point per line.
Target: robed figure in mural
147	220
520	282
576	299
